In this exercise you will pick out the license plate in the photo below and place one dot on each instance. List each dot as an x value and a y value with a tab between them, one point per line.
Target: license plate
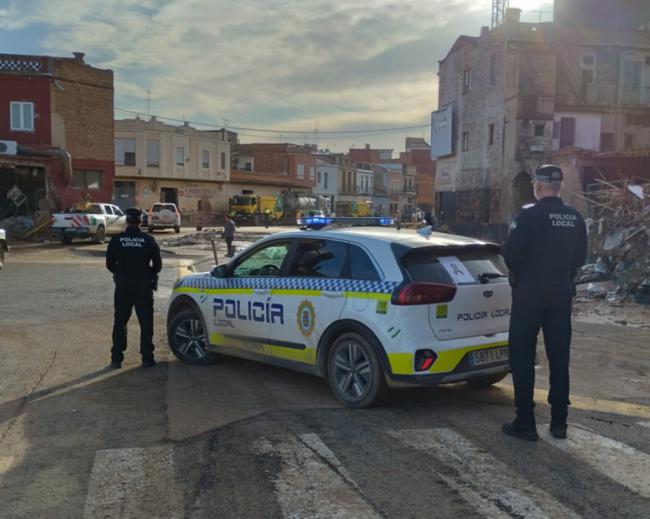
491	356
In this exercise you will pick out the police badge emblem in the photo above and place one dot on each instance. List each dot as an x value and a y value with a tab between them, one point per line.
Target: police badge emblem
306	317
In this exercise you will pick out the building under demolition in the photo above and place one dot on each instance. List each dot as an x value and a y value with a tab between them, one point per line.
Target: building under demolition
574	91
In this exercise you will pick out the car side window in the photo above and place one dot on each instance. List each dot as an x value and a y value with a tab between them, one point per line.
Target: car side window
361	266
108	209
264	262
319	259
118	211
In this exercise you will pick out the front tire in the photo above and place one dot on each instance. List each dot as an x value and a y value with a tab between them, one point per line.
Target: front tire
177	229
487	380
354	371
188	339
66	240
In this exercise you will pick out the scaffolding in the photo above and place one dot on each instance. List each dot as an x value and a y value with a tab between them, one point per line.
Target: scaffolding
499	12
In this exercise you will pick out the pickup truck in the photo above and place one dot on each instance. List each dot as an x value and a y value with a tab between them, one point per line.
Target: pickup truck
94	221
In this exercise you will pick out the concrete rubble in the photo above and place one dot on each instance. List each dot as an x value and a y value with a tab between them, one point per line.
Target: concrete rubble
619	242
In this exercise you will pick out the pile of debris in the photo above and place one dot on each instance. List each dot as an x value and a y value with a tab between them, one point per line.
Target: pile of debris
203	240
619	240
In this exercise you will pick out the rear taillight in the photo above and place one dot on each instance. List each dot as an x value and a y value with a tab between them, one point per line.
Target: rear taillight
424	359
423	294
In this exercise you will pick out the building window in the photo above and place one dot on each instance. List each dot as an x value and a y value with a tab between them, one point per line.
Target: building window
180	156
22	116
205	159
319	178
632	75
465	141
125	152
491	134
301	171
325	175
153	153
539	130
86	179
223	160
607	142
467	81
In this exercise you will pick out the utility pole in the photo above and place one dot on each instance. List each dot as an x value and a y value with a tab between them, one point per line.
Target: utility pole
499	12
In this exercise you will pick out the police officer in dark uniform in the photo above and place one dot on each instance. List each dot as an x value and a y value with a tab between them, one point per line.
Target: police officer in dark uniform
134	259
546	246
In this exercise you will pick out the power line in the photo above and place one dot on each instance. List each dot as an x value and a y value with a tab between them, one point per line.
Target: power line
265	130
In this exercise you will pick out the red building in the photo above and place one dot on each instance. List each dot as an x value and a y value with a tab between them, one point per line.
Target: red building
56	133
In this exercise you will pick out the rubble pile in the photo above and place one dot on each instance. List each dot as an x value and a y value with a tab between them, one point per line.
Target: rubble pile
619	240
203	240
17	226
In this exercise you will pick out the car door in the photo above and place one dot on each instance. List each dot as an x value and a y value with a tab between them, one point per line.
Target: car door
240	312
312	294
120	220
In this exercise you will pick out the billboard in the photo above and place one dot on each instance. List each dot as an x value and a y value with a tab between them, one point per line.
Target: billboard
442	132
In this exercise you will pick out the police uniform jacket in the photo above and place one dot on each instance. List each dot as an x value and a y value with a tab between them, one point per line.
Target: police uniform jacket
133	255
547	241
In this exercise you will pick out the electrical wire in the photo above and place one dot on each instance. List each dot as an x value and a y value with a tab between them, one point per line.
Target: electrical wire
378	131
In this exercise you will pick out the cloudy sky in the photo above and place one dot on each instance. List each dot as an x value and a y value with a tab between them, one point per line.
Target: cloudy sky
298	65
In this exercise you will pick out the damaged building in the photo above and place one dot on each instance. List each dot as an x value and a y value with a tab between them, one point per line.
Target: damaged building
56	137
575	91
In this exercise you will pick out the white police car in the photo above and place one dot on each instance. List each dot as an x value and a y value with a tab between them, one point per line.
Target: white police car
364	307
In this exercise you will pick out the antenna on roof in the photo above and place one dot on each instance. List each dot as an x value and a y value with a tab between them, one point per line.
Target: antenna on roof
499	8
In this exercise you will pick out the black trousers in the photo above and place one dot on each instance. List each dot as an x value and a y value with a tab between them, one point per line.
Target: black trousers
130	293
229	244
544	304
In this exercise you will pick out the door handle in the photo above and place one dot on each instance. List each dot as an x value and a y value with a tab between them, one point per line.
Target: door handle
261	291
330	293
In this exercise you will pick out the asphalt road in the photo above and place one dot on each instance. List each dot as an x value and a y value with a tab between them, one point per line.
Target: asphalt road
241	439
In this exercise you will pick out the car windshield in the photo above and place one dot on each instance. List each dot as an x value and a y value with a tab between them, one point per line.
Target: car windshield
162	207
455	266
241	200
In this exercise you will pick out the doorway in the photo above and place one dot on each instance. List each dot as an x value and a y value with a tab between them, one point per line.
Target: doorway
523	190
169	195
124	194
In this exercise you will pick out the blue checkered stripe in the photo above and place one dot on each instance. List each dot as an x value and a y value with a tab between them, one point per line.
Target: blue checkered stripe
333	285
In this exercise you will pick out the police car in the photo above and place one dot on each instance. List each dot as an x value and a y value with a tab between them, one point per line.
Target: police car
364	307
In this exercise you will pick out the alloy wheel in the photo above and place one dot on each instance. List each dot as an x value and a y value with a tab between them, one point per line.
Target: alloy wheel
190	339
353	374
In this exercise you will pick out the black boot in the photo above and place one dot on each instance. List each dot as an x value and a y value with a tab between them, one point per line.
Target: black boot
558	425
524	431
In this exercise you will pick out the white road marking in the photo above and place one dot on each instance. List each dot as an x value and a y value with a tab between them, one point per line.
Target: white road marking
133	483
310	484
615	460
6	462
489	485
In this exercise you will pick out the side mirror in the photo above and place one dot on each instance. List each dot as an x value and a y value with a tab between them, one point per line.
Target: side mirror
219	271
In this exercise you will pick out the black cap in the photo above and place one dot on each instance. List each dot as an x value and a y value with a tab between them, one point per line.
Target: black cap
133	215
549	173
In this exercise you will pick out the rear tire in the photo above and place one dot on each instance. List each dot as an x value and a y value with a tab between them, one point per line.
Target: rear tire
66	240
487	380
100	235
188	339
354	371
177	229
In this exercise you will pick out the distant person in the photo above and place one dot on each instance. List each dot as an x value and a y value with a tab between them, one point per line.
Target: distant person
546	247
267	217
229	234
134	259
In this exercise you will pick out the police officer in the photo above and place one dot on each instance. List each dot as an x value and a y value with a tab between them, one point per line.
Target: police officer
134	259
546	246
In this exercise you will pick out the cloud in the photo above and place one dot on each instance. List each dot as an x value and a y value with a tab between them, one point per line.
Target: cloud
266	63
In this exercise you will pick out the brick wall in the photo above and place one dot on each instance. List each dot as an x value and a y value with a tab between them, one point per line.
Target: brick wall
82	110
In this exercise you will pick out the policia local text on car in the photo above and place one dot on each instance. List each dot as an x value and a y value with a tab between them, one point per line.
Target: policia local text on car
134	259
546	247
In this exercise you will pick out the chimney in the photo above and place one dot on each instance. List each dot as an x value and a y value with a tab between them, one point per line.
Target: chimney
79	57
367	146
513	15
485	31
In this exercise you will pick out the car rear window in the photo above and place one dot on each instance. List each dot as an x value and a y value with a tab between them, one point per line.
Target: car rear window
162	207
455	266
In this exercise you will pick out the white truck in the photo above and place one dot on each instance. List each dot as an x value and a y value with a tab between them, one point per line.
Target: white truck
88	221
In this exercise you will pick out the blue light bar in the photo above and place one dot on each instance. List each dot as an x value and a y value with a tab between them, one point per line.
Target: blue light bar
318	222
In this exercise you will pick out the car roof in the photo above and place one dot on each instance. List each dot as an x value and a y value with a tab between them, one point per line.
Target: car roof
407	237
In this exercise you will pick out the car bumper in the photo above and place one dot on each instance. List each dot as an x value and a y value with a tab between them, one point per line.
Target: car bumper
462	369
70	231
